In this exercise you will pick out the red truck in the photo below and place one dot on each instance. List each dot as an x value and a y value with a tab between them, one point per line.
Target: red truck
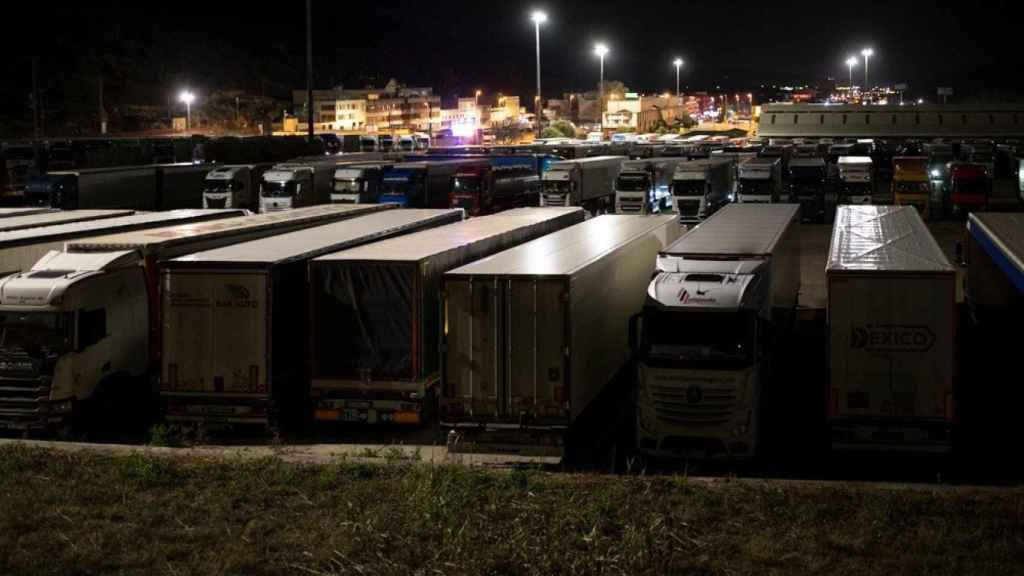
970	185
494	184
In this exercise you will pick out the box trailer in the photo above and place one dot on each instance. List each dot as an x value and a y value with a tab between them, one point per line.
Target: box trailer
533	334
132	187
891	321
376	313
9	212
104	290
52	218
586	182
995	266
723	299
259	288
20	249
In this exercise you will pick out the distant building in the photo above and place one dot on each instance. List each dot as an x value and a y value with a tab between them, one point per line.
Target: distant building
394	108
643	113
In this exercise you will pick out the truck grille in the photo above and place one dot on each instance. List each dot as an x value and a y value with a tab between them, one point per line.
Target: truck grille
630	207
555	199
22	396
683	405
216	202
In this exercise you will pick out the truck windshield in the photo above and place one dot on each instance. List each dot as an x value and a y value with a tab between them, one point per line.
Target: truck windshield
707	339
688	188
278	189
755	187
406	146
466	185
971	186
396	188
558	186
632	183
34	332
857	188
218	186
351	186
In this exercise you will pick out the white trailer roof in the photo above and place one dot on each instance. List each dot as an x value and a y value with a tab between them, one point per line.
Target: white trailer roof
421	245
95	227
154	239
590	160
883	238
1003	234
9	212
312	242
854	161
58	217
736	230
564	252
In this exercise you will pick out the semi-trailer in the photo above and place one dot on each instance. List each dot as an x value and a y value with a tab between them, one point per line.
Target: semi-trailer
422	184
891	323
23	211
856	180
645	186
259	288
234	186
297	183
20	249
534	334
701	187
51	218
359	182
132	187
585	182
911	185
760	180
385	365
88	317
722	300
807	177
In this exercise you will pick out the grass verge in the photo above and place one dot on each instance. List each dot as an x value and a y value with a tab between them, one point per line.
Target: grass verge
85	513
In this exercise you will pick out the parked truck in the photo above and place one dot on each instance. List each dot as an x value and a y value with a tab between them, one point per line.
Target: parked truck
701	187
422	184
260	288
645	186
368	143
891	321
970	187
856	180
722	300
359	182
496	184
234	186
297	184
52	218
386	367
89	317
585	182
807	177
911	185
760	180
534	334
17	163
20	249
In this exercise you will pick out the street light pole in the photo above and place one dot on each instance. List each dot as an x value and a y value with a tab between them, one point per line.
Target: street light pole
678	63
538	18
867	53
851	62
309	70
600	50
187	97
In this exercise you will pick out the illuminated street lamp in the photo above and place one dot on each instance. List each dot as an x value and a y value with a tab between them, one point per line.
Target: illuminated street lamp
867	53
476	98
538	18
600	50
851	62
188	98
678	63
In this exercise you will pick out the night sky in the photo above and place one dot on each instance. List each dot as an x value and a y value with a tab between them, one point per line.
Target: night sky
145	50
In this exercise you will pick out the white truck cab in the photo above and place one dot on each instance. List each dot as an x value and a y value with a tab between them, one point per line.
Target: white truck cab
229	187
71	328
284	186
